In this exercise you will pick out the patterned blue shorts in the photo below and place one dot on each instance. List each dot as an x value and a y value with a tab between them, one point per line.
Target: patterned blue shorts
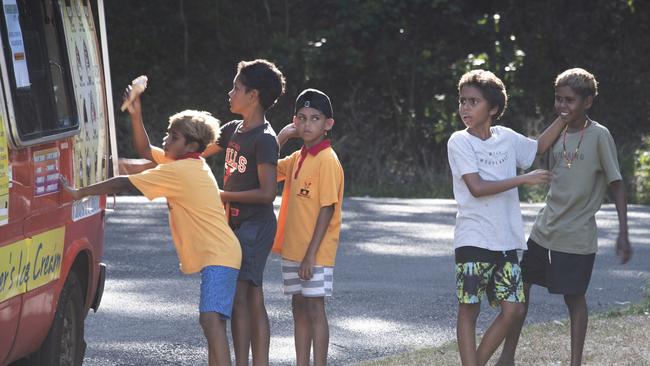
218	284
484	272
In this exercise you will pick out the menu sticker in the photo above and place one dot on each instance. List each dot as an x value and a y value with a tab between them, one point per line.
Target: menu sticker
46	171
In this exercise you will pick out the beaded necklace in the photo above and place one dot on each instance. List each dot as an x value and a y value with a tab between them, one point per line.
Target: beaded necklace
564	152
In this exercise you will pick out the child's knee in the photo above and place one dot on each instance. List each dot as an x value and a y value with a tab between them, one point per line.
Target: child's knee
315	307
574	300
205	321
240	301
298	306
469	311
514	312
211	323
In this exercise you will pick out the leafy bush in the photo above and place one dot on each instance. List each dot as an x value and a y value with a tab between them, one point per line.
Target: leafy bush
390	67
642	172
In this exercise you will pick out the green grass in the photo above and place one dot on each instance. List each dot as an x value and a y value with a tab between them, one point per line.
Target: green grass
616	337
642	308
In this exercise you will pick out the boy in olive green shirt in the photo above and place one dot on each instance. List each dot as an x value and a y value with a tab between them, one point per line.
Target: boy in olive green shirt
563	242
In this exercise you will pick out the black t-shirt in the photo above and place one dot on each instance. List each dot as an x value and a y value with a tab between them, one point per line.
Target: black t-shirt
244	152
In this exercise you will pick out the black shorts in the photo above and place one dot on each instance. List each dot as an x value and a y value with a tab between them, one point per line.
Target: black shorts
256	239
561	273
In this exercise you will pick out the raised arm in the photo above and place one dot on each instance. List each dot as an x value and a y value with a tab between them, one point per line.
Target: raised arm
623	247
479	187
289	131
139	136
211	150
550	134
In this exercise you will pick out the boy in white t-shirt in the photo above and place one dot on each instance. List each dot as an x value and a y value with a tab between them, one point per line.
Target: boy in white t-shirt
489	228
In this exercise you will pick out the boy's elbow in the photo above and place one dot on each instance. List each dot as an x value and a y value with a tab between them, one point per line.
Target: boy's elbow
474	184
476	193
269	197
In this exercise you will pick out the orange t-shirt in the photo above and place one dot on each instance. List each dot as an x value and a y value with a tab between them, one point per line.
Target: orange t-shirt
319	183
196	216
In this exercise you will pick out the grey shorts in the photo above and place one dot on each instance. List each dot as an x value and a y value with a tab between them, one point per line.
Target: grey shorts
256	239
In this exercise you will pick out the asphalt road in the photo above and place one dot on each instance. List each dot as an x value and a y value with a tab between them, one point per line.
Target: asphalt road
394	286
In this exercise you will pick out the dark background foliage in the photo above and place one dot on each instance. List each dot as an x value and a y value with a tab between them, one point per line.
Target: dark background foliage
390	67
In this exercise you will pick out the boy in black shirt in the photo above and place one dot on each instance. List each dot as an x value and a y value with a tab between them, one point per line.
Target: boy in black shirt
249	191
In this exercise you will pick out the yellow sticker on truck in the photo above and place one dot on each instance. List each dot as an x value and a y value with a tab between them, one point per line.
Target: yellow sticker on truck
31	263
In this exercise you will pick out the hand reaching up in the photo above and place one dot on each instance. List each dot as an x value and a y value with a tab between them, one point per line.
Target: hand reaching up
132	95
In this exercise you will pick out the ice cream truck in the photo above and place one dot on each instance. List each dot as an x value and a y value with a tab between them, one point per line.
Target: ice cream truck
54	120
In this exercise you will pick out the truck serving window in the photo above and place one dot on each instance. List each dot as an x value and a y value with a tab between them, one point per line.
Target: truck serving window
38	67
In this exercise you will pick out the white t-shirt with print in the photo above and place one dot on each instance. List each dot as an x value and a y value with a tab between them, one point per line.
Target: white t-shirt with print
491	222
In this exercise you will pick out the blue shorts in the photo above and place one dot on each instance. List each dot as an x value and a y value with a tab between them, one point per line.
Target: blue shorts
218	284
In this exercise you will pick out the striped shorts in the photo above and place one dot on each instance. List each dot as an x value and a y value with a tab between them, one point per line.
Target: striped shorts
320	284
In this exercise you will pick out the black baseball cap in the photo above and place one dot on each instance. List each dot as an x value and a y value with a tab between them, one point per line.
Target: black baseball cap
314	98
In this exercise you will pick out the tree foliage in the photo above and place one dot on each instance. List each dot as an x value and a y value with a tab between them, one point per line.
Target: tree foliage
390	67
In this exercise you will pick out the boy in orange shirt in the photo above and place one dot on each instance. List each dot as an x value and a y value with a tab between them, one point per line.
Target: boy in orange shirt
204	242
309	222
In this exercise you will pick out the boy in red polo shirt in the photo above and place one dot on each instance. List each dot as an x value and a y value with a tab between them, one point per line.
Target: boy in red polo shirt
309	222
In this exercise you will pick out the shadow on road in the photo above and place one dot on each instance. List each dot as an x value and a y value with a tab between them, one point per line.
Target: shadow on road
394	284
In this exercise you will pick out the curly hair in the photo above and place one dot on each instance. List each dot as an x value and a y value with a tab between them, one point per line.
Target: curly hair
264	76
491	87
196	126
581	81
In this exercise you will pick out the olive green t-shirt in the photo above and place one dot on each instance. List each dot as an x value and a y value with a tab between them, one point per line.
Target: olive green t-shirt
567	222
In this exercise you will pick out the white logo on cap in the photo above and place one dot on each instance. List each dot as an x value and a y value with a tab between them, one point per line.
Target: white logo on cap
307	103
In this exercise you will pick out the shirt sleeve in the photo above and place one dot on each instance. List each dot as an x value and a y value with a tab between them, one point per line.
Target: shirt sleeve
330	181
158	155
267	149
608	157
226	133
462	159
161	181
525	149
285	167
